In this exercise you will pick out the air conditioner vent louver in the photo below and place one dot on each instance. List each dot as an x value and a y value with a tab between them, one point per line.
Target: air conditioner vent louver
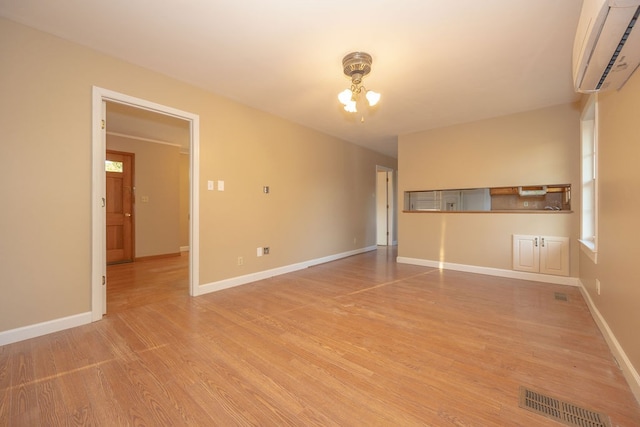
607	45
624	39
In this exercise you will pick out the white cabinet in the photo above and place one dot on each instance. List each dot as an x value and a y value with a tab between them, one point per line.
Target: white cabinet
541	254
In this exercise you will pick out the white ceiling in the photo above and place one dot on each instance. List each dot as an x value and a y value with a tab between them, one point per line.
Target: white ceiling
436	63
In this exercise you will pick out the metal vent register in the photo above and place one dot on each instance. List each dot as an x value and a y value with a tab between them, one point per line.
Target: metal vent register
559	296
561	411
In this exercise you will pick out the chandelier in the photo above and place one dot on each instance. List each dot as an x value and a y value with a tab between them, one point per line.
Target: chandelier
356	65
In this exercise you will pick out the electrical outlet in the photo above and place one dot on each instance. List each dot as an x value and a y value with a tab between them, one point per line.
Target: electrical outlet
259	252
598	286
265	250
240	260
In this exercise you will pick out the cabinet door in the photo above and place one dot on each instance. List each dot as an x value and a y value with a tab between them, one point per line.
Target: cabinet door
526	254
554	255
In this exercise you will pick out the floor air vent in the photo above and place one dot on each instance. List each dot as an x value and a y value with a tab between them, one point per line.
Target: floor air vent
561	297
561	411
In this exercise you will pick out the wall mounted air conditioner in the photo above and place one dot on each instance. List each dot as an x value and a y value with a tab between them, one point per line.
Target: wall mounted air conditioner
606	50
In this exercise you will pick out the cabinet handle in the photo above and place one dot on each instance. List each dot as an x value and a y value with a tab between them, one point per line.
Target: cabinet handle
542	241
536	242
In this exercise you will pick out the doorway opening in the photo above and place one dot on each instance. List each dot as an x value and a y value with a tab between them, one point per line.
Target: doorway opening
101	97
385	206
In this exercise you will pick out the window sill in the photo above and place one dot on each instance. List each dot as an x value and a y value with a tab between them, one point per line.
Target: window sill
589	248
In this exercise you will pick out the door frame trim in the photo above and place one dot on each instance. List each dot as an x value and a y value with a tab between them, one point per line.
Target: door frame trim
390	192
98	191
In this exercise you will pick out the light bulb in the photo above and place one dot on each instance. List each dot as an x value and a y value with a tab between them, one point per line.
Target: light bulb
373	97
345	96
350	107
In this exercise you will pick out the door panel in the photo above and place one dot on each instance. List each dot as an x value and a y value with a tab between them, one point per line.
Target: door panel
385	207
119	188
554	255
526	253
382	209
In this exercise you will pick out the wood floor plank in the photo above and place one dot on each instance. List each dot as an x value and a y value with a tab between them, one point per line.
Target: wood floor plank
359	341
24	406
5	385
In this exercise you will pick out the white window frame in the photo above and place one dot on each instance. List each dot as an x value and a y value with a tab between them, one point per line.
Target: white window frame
589	181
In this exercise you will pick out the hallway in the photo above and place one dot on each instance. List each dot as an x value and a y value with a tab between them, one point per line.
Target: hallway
134	284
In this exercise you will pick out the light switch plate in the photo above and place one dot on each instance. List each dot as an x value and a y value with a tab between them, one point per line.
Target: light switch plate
220	185
210	185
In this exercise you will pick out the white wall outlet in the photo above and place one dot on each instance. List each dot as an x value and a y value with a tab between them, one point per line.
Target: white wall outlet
220	185
210	185
259	252
598	286
240	260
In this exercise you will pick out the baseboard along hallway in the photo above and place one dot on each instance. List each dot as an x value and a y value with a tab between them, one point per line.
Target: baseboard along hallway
358	341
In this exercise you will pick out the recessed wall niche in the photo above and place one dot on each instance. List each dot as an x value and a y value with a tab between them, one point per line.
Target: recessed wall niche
528	198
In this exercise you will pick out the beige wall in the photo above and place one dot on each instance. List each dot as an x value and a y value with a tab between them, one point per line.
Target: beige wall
531	148
157	194
323	189
618	224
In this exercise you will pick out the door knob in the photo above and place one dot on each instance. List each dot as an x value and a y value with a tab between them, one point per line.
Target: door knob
127	214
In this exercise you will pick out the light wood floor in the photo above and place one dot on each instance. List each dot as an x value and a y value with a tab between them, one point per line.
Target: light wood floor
358	342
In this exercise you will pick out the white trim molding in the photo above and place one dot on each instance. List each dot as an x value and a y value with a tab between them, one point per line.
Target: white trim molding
56	325
261	275
629	372
536	277
98	258
627	368
44	328
589	248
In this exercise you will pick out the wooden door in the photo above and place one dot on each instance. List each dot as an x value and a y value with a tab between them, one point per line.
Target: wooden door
119	183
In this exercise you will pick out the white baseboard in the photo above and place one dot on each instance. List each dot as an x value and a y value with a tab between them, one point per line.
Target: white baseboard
44	328
629	372
512	274
260	275
39	329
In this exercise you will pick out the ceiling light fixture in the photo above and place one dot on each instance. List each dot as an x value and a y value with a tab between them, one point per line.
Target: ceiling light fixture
356	65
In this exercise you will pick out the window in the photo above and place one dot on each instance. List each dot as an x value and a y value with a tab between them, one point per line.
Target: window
112	166
589	172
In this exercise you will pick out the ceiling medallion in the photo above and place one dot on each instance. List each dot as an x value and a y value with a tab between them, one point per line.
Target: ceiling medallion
356	66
